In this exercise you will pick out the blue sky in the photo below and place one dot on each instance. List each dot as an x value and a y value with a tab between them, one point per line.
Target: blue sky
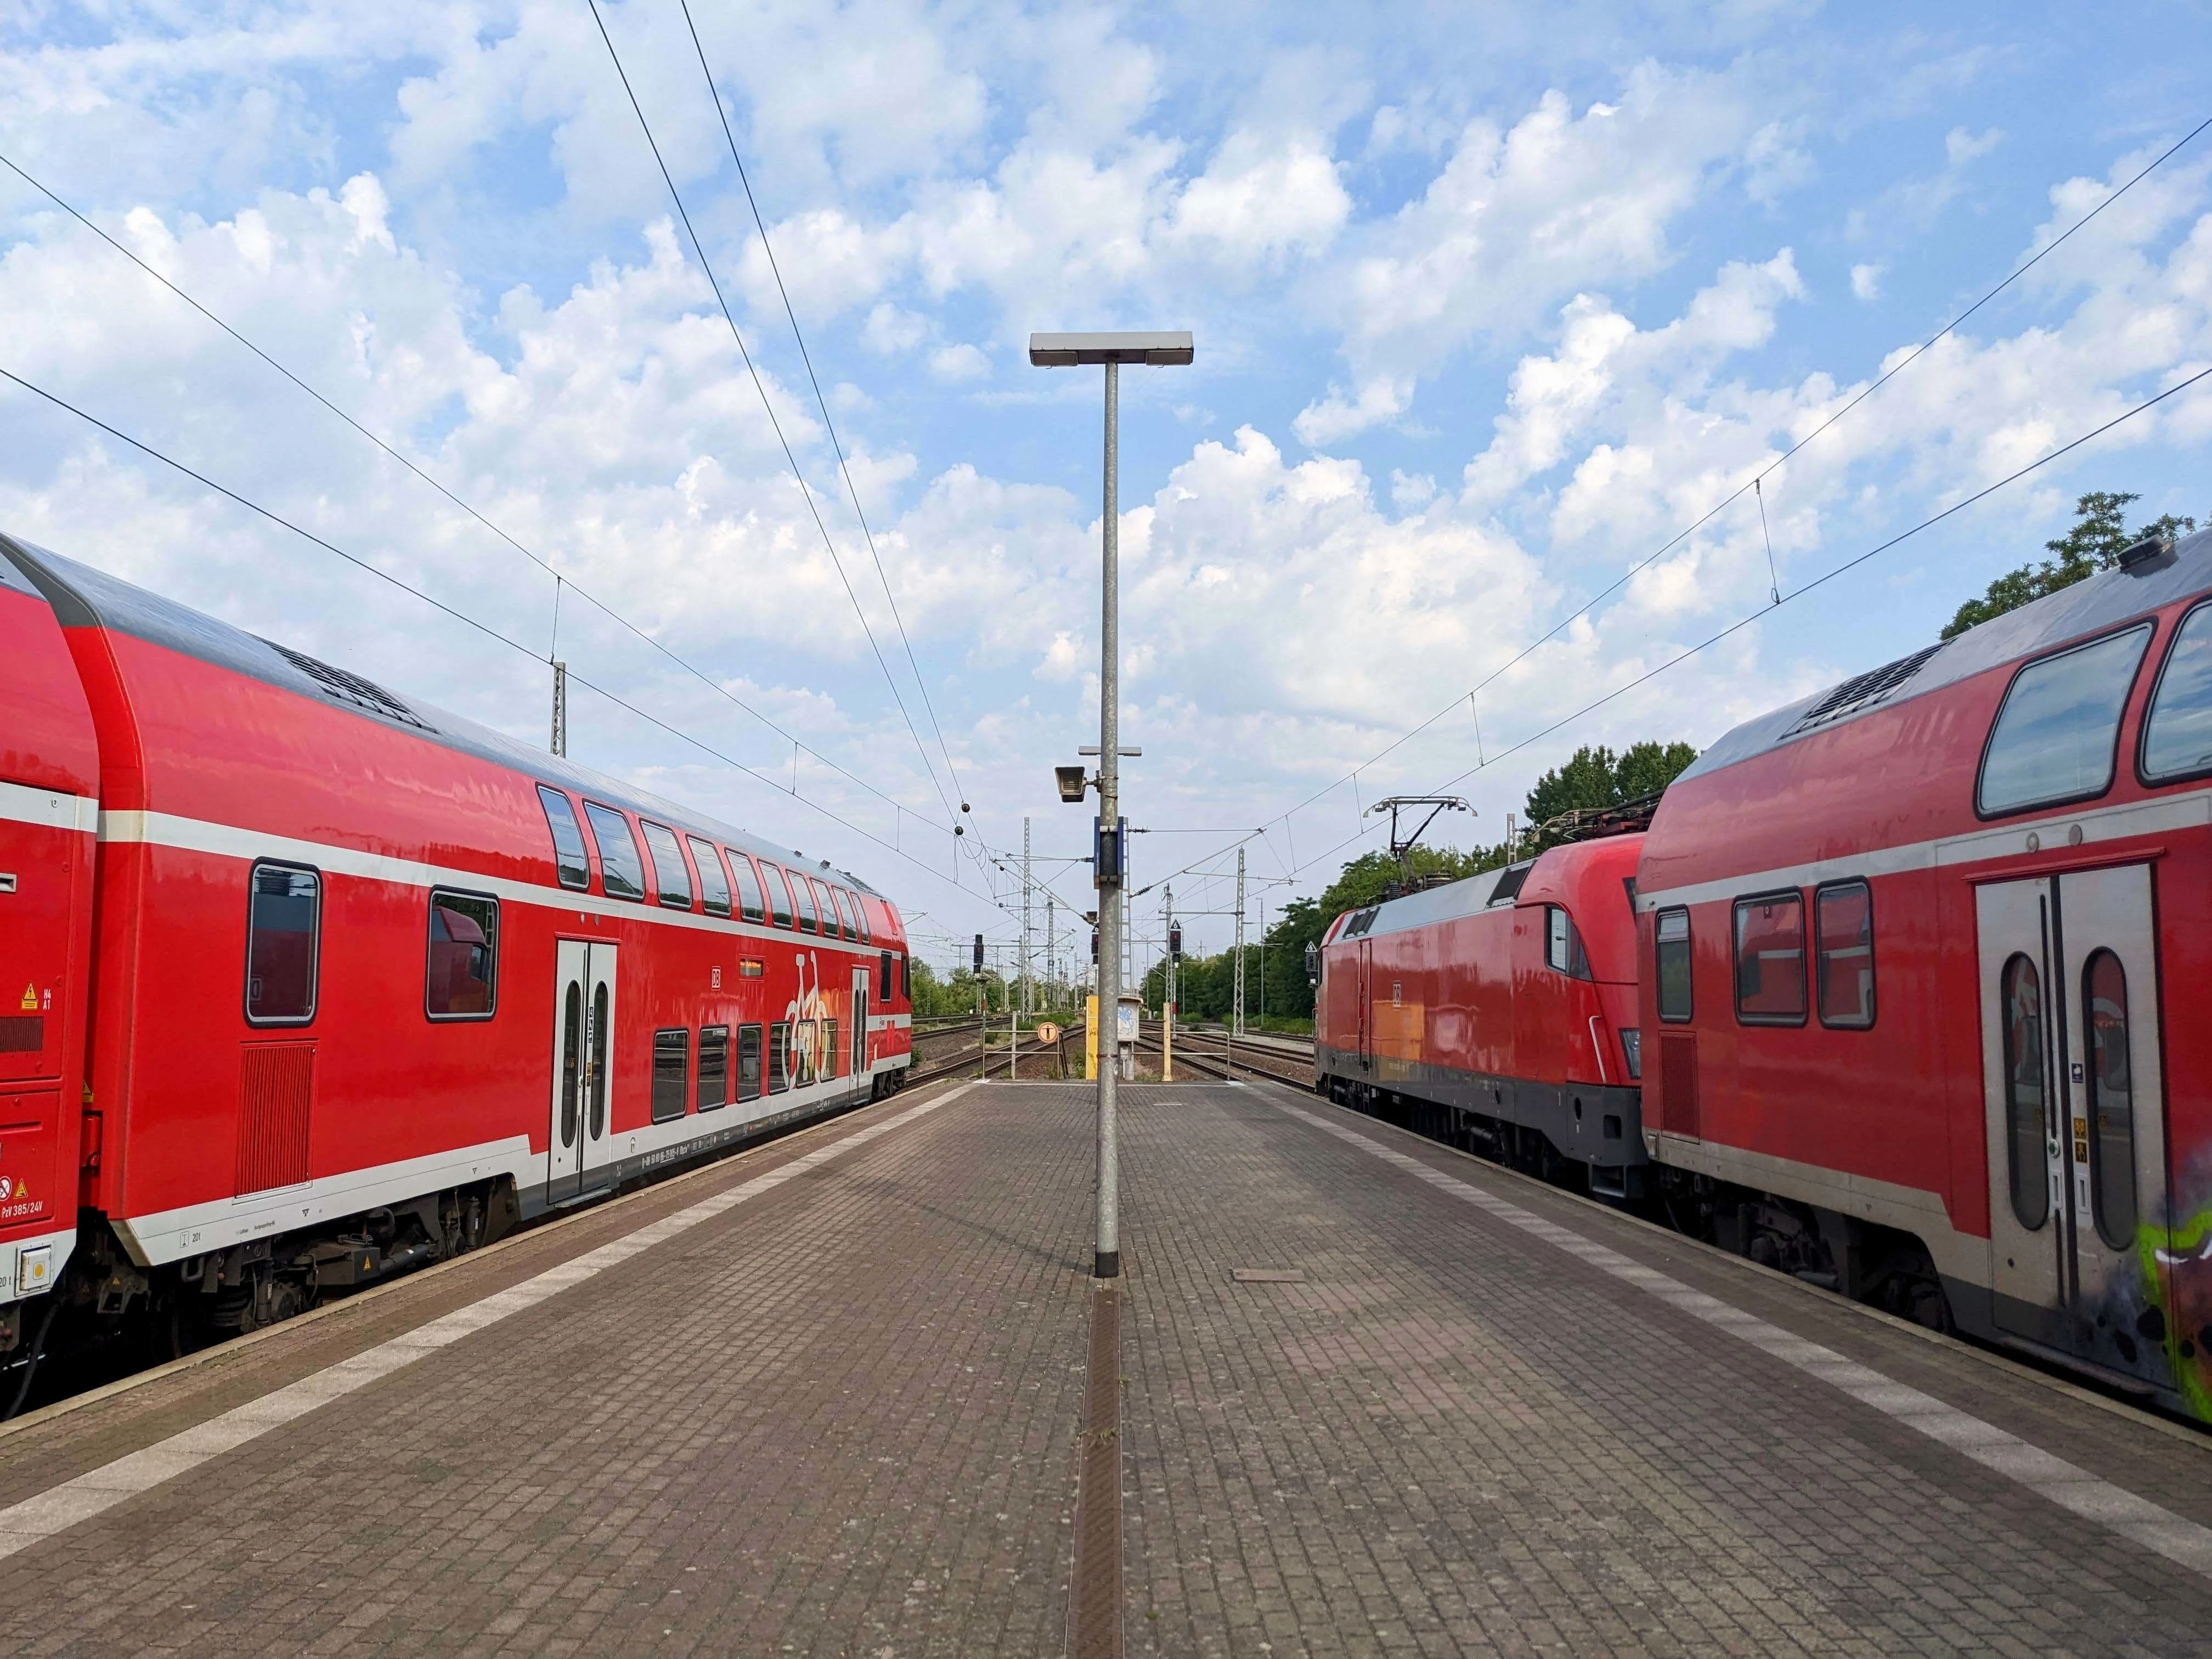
1490	303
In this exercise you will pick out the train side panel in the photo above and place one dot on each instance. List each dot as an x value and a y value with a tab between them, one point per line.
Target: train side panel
49	781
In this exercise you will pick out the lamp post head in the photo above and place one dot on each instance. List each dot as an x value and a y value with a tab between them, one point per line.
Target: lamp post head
1160	348
1072	783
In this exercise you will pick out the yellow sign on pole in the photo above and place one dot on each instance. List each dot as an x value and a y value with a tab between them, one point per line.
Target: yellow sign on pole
1091	1036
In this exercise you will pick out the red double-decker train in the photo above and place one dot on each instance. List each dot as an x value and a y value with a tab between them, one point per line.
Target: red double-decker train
318	983
1912	964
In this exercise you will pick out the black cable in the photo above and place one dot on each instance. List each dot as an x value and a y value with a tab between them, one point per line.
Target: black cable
1750	484
560	580
822	402
1767	611
485	629
798	477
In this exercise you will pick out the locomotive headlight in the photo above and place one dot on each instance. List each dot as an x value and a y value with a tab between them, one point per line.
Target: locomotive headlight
1631	1045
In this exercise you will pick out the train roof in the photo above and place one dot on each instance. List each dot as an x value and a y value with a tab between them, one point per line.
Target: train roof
1453	900
2101	600
83	597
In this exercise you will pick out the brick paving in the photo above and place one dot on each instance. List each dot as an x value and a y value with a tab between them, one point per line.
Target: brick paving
839	1420
843	1418
1453	1438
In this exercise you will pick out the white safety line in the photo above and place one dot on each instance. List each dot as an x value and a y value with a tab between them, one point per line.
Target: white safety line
58	1508
2179	1540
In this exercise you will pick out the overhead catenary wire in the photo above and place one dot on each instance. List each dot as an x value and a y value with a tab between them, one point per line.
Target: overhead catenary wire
799	475
1795	594
1752	483
562	581
836	444
457	615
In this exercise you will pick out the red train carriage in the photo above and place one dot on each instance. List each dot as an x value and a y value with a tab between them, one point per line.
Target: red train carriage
1497	1013
368	983
1924	955
49	784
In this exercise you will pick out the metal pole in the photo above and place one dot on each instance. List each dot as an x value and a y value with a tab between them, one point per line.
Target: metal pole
1051	953
1107	1260
1168	1002
1029	994
1238	1017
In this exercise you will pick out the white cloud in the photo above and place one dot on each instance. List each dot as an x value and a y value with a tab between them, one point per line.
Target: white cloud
1866	282
959	363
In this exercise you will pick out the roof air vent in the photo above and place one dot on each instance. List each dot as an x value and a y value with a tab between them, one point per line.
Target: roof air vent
1856	695
351	689
2152	552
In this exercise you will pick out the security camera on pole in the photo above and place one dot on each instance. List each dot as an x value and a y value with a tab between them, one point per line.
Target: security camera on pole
1111	839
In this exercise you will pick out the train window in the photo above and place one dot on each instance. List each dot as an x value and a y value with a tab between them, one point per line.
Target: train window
1563	944
2019	993
849	908
802	892
1770	959
779	1057
1671	937
749	1062
670	881
2056	733
828	1048
2111	1099
714	885
860	916
463	976
569	860
283	938
836	907
714	1067
672	1066
622	872
1842	925
779	894
572	1062
2177	736
906	977
884	978
752	903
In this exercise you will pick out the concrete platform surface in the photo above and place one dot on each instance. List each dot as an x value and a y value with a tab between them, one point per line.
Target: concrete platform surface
828	1398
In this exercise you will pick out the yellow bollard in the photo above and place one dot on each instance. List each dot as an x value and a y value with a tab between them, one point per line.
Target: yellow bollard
1167	1042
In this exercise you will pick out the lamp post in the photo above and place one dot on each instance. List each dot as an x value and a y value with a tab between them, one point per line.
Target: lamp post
1160	351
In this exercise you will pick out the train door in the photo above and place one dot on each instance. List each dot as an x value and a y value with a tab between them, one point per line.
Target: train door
1366	1004
861	1022
580	1146
2075	1105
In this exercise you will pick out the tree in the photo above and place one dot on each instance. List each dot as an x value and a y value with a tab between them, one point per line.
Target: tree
1594	777
2095	541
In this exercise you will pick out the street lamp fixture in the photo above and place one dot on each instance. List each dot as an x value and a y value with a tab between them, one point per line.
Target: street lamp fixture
1072	782
1159	350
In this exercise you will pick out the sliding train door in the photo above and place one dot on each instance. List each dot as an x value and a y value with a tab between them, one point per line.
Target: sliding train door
2075	1102
580	1144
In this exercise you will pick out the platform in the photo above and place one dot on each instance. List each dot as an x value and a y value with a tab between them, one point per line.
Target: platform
828	1398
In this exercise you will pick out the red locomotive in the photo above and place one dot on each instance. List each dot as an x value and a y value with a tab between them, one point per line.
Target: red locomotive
319	983
1916	959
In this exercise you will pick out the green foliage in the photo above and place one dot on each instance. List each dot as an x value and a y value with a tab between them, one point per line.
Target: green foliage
1594	777
2097	539
956	995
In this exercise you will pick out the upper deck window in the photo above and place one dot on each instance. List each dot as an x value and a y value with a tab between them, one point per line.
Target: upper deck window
2177	736
802	891
846	910
714	885
752	903
622	872
2055	736
569	860
1770	959
670	880
860	916
779	894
